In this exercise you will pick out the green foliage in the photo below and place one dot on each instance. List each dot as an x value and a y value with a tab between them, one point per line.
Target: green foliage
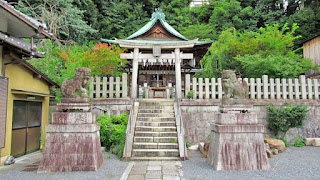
190	94
60	62
282	118
187	143
299	142
286	142
42	140
252	54
275	66
113	132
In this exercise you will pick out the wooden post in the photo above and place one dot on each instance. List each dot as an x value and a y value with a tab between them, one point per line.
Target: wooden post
258	88
272	95
134	79
303	87
124	85
290	87
98	87
178	72
265	86
111	87
296	88
219	88
207	88
200	88
284	88
310	93
315	88
278	88
194	88
104	87
117	87
91	87
187	84
252	88
213	88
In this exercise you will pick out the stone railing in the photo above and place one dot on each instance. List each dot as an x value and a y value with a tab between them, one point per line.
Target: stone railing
259	88
103	87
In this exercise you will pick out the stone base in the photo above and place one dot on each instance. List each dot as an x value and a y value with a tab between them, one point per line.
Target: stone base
237	147
67	151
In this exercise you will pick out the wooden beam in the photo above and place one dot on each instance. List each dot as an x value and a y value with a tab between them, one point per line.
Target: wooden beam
162	56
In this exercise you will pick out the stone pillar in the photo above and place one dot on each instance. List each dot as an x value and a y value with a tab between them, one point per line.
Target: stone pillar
72	140
134	78
237	140
178	72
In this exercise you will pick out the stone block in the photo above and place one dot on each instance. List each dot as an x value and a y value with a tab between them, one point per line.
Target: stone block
275	144
309	141
236	118
73	118
64	107
316	142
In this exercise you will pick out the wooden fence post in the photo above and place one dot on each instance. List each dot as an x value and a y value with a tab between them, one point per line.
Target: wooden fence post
187	85
284	88
104	87
207	88
258	88
278	88
111	87
265	86
91	87
252	89
290	84
219	88
98	87
296	88
200	88
315	88
303	87
194	88
213	88
124	85
117	87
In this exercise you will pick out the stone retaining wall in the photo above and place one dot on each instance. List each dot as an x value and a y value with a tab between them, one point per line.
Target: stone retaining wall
198	114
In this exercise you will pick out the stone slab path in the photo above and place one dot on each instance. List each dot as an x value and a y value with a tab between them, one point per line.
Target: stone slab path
145	170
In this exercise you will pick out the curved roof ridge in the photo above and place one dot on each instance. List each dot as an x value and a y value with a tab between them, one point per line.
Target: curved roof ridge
157	15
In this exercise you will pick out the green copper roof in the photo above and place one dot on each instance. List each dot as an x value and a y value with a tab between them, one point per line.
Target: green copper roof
157	15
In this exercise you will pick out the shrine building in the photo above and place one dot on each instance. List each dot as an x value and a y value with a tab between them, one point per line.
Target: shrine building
159	57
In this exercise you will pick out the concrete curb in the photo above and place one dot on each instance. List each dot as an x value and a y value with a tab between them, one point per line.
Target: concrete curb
127	171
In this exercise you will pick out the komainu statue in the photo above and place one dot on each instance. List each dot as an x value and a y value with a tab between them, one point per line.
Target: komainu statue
71	88
232	88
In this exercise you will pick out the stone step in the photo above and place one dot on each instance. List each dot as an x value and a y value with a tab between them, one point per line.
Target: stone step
156	124
156	119
155	158
155	114
156	129
155	152
143	145
156	139
155	134
146	110
166	107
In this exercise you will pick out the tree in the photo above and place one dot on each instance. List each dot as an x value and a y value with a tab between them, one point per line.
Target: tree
253	54
64	20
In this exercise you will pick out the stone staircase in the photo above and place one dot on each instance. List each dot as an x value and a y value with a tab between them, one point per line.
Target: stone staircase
155	136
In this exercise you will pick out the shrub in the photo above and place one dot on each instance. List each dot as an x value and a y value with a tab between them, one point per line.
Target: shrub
282	118
113	132
286	142
299	142
190	94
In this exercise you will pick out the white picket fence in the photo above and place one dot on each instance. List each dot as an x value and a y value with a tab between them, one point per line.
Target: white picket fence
103	87
259	88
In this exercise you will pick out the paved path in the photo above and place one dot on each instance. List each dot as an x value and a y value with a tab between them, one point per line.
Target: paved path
144	170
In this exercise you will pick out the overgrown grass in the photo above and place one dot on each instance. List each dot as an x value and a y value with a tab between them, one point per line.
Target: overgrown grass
113	132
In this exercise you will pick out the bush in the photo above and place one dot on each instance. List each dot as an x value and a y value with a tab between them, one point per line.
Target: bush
299	142
113	132
190	94
282	118
286	142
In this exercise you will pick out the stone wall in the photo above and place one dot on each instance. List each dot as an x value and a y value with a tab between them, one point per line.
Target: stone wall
198	114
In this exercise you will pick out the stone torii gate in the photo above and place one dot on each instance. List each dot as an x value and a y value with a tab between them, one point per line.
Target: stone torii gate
159	45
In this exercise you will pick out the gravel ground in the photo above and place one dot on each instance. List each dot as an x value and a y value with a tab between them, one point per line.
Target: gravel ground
294	163
112	169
